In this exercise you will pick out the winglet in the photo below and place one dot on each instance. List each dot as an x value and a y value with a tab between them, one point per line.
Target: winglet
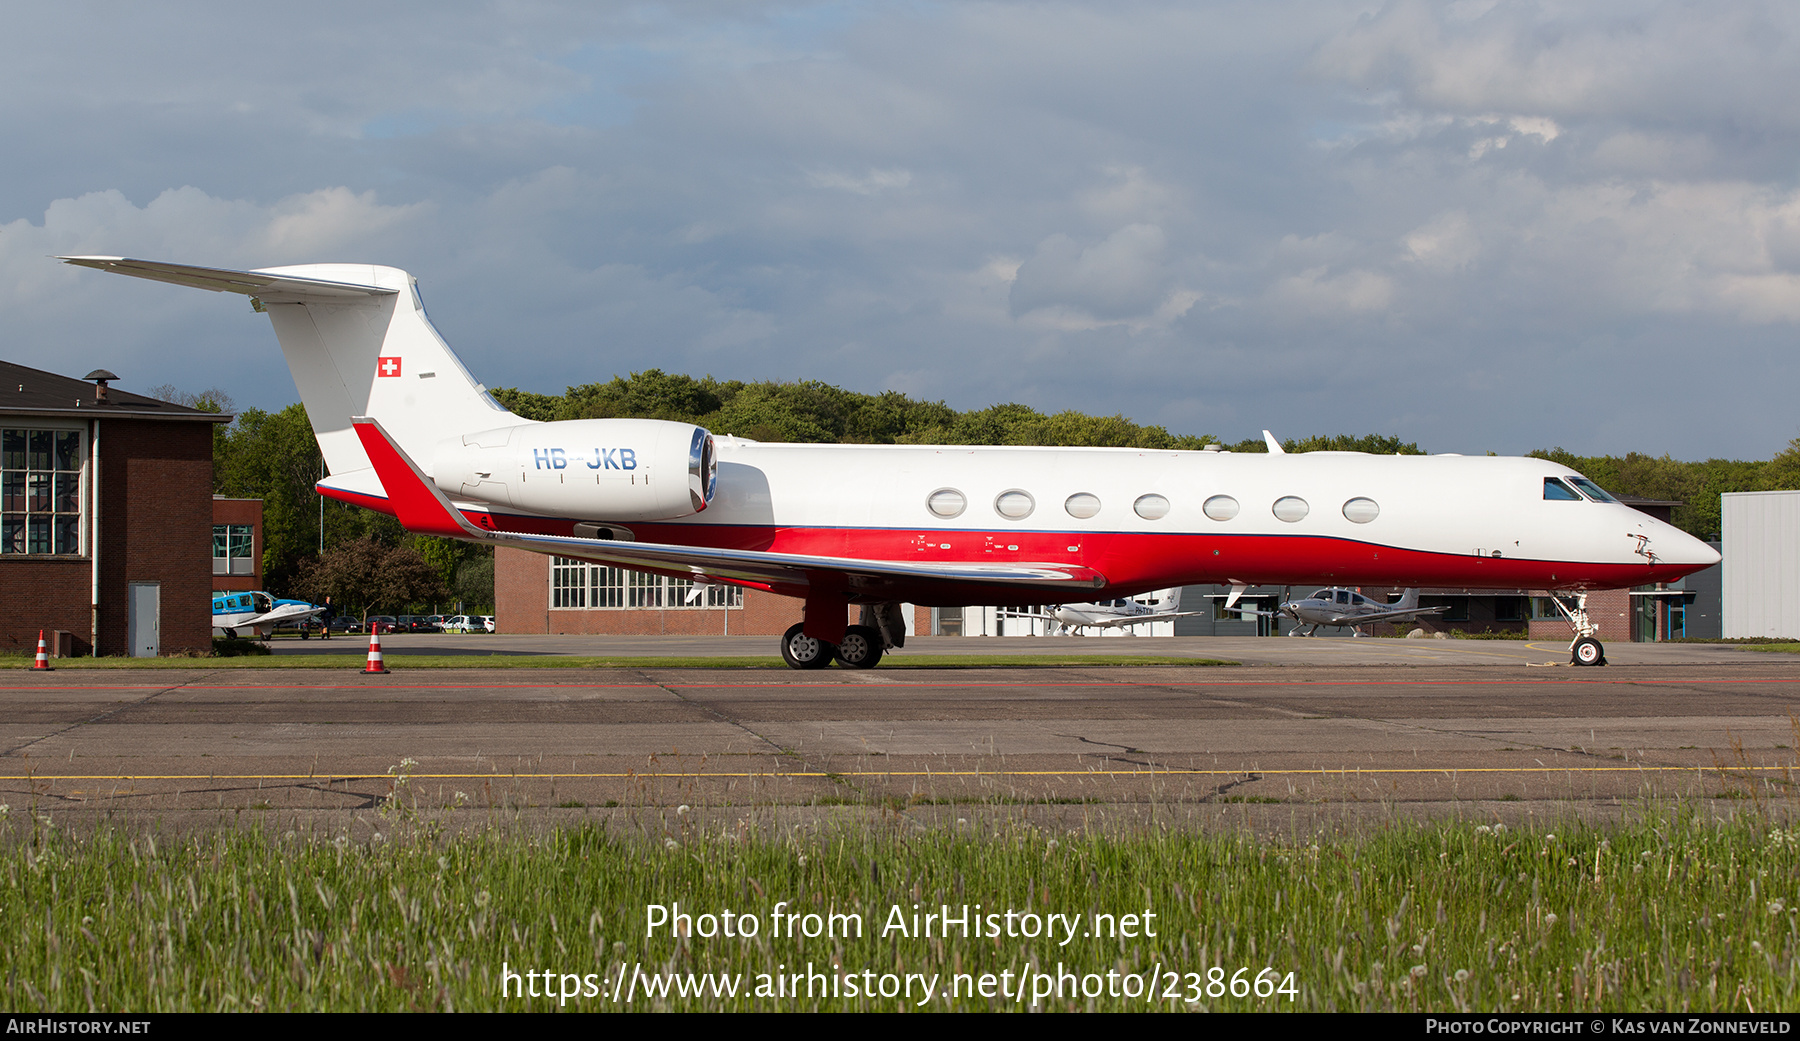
1274	445
416	501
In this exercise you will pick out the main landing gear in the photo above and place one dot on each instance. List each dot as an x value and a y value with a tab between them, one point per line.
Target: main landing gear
861	646
1585	649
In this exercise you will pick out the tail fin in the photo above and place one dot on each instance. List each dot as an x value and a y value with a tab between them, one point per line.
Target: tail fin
1408	600
358	344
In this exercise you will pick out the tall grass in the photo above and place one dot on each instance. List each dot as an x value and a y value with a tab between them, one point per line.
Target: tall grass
1671	912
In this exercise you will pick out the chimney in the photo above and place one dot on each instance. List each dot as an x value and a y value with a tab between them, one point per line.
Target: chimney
100	376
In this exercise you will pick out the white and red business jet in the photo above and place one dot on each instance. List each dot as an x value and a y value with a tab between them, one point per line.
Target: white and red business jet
406	430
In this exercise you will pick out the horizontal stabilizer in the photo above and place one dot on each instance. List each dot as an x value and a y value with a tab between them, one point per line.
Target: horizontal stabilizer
223	280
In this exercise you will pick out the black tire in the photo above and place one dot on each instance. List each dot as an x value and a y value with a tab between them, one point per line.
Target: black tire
861	648
801	651
1587	651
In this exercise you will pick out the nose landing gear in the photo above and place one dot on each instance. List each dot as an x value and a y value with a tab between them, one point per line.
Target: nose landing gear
1586	648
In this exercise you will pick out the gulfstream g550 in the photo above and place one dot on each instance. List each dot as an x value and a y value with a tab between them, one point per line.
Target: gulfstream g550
406	430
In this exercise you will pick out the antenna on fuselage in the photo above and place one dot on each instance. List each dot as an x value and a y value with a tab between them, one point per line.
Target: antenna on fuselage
1274	445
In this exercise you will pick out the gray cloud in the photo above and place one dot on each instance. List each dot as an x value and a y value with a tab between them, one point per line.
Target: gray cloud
1478	225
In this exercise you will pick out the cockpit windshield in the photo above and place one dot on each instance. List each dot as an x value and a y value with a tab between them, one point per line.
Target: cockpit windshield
1555	489
1593	491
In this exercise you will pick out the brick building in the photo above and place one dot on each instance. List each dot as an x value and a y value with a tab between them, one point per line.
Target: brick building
105	517
534	593
236	544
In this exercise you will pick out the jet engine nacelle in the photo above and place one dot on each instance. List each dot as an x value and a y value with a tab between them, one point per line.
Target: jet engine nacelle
594	469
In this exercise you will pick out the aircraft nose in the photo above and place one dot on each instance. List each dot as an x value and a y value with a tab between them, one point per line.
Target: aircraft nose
1687	550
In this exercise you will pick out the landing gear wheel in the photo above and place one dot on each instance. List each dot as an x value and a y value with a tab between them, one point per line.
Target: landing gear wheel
1587	651
801	651
861	648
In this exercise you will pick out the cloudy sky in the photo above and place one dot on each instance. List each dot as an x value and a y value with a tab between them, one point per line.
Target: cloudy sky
1478	225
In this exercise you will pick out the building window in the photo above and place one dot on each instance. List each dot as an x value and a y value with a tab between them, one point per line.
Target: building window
581	584
40	490
234	549
1458	607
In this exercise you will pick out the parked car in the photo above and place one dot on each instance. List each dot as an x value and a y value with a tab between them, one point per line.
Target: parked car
487	623
465	623
382	623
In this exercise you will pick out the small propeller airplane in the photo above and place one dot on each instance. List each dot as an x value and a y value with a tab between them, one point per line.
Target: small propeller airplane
256	612
1341	607
1158	606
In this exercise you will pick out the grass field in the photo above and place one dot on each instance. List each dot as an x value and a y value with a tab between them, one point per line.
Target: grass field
1672	912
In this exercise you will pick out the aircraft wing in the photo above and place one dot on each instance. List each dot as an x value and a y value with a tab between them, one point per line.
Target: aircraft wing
283	613
422	507
1142	619
1385	616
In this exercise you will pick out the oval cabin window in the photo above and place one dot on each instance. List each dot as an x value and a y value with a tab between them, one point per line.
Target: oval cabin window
1361	511
1082	505
1221	507
1151	507
1014	504
1291	508
946	503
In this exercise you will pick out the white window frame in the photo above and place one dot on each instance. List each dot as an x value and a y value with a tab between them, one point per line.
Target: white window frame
232	532
81	474
582	585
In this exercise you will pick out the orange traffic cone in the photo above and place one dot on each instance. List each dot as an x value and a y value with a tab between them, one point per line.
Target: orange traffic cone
43	658
374	667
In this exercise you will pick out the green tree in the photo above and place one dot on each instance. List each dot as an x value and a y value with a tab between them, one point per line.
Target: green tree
364	575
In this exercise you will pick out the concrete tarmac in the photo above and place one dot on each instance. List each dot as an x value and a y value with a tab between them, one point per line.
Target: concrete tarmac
1321	736
1276	650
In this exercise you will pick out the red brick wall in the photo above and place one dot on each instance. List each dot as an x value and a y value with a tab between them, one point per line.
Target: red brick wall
37	593
522	605
156	526
521	591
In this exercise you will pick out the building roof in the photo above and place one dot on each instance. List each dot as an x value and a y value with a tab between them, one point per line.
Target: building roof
34	392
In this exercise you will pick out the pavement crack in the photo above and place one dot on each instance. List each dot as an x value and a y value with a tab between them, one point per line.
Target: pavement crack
1229	785
1105	757
780	750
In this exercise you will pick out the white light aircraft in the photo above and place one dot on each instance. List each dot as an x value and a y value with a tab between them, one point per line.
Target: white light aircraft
256	612
1159	606
1346	607
406	430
